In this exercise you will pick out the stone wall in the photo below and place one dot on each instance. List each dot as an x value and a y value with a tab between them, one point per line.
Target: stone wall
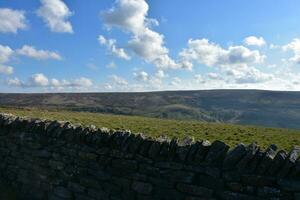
55	160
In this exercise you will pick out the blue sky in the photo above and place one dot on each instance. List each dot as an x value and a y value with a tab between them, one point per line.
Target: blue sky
138	45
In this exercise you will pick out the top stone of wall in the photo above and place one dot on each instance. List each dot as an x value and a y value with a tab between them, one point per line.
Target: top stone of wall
249	159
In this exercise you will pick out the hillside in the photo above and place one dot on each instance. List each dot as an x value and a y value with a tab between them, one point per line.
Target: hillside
230	134
251	107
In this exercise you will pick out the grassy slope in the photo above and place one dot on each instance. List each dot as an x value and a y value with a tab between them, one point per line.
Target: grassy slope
251	107
231	134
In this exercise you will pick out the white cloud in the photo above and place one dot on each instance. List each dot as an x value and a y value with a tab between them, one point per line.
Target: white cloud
14	82
32	52
131	16
55	14
245	74
40	80
82	82
12	20
214	76
6	69
255	41
295	47
5	54
199	79
176	82
111	46
211	54
141	76
117	80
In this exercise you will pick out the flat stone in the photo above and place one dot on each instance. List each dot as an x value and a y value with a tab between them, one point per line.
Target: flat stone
194	190
142	187
62	192
268	192
257	180
87	156
210	182
289	185
56	165
237	196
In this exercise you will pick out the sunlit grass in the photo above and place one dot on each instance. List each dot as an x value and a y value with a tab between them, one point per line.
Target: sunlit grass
231	134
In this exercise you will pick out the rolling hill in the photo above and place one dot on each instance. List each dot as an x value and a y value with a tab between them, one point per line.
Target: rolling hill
251	107
231	134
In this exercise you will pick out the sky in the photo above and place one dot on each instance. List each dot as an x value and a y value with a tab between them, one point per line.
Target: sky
148	45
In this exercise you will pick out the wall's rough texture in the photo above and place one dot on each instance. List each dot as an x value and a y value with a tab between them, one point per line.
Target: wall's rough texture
54	160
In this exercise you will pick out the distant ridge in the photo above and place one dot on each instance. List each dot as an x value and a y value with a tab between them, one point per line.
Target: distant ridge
253	107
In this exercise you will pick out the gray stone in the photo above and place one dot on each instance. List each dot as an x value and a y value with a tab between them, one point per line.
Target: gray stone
142	188
277	163
234	156
257	180
154	150
267	160
268	192
250	153
75	187
194	190
237	196
202	151
289	162
62	192
289	185
56	165
216	153
210	182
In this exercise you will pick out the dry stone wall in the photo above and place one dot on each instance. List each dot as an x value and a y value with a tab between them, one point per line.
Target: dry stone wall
57	160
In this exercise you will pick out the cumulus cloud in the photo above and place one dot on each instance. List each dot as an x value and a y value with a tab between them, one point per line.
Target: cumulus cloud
5	54
214	76
32	52
294	46
14	82
131	16
6	69
199	79
112	48
246	74
55	14
117	80
255	41
141	76
176	81
211	54
150	81
12	20
40	80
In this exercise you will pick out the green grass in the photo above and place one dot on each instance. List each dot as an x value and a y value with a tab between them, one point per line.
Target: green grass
231	134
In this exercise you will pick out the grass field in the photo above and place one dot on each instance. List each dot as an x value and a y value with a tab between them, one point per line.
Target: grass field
231	134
